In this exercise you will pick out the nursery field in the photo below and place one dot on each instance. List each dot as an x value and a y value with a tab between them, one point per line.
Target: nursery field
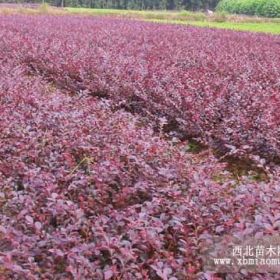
127	147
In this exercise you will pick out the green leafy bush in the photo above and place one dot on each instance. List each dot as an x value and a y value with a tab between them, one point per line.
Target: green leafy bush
271	8
266	8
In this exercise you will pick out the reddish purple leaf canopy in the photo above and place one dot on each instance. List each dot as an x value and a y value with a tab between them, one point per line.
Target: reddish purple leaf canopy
89	188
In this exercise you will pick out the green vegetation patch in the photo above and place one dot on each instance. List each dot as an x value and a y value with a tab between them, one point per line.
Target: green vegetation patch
265	27
266	8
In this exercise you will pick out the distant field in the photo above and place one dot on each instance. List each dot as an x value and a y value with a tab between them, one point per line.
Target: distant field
242	23
217	20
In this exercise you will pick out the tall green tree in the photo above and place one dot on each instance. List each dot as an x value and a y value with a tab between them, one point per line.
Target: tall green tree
130	4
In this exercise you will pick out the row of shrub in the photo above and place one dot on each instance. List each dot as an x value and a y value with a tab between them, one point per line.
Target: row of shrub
265	8
218	86
87	192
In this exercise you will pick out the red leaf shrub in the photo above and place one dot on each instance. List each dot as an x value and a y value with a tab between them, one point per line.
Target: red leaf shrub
216	85
87	192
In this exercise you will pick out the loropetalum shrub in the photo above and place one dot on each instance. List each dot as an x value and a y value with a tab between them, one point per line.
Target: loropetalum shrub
88	188
219	86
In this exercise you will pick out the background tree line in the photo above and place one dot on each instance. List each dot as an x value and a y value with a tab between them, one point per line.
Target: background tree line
130	4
